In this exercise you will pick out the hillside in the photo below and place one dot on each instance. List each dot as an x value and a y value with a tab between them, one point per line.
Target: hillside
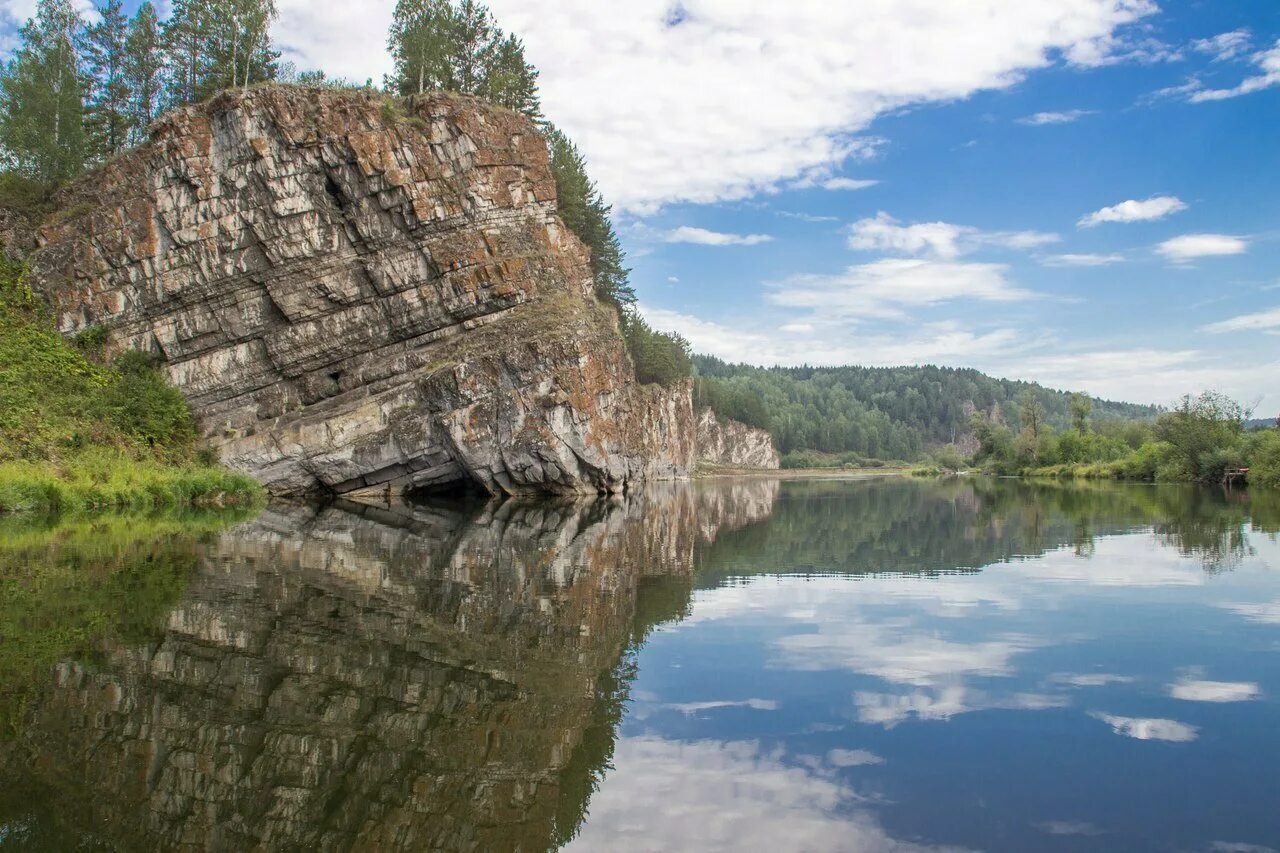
879	412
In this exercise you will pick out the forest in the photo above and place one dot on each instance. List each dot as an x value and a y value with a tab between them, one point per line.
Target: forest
878	412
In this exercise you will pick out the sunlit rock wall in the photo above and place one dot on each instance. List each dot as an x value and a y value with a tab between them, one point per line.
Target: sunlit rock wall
362	296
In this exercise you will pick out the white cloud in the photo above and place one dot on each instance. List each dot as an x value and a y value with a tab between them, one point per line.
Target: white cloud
886	287
703	237
1068	827
852	758
1089	679
829	344
1114	49
942	704
1267	612
1149	728
1051	117
672	279
807	217
347	40
689	709
1258	320
1191	246
847	183
1142	375
735	98
1224	45
715	794
1081	260
883	233
1156	207
897	656
1268	61
1194	690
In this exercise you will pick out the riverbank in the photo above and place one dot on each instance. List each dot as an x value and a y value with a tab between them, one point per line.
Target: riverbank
105	482
84	432
709	472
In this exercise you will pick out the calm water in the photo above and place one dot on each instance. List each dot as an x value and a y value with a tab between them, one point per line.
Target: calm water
739	665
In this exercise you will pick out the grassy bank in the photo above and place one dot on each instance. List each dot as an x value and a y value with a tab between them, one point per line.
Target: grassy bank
97	481
81	432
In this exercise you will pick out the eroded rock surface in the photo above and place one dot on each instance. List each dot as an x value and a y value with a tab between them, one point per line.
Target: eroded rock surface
721	441
356	297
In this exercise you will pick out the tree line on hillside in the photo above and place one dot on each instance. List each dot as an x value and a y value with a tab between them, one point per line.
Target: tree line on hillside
76	93
878	412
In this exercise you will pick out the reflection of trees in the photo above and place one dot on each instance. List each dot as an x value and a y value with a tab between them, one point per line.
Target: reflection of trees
959	524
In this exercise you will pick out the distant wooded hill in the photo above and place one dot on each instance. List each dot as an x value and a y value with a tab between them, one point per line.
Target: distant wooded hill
877	412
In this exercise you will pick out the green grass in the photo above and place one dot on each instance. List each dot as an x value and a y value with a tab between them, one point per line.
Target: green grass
82	433
99	480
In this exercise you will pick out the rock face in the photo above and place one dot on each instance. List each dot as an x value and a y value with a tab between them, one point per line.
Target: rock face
721	441
355	295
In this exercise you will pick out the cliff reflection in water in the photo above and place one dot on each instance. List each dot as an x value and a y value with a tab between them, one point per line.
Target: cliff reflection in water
353	677
357	677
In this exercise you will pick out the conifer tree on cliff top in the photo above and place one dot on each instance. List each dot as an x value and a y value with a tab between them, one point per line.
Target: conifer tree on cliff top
144	70
107	114
439	45
42	98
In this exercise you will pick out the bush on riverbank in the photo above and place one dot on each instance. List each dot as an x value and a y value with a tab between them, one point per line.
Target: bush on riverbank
1200	440
82	433
818	459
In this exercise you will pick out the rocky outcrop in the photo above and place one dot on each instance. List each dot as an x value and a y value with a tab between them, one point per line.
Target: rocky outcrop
724	442
365	678
357	295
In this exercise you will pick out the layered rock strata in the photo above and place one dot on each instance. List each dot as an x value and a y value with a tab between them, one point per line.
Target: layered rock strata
359	294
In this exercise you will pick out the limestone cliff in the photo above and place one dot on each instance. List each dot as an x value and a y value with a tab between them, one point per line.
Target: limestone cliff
721	441
355	296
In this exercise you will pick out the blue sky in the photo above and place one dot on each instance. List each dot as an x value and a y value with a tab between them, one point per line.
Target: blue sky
1080	192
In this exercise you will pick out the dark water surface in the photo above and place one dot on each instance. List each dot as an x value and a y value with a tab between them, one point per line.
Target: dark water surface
730	665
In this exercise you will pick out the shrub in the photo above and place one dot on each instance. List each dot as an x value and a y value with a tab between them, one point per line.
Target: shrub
1145	462
1262	451
144	406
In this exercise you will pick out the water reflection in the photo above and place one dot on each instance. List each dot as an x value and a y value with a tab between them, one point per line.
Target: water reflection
761	664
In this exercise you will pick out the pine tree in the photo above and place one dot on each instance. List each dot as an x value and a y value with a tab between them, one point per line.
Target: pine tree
473	47
585	213
239	50
438	45
42	98
107	114
144	70
511	81
186	34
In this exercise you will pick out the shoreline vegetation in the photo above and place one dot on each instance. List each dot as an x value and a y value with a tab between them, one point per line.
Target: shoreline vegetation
82	432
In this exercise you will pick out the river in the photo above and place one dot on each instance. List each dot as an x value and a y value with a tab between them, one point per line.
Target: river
753	664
